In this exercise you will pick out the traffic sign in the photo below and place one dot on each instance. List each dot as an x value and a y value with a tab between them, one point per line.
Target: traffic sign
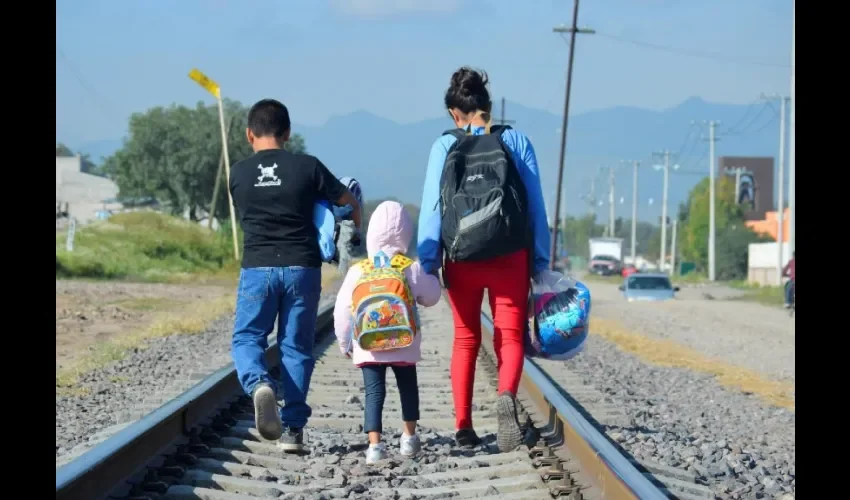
205	82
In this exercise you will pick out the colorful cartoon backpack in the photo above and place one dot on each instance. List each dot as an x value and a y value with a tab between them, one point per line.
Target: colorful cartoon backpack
384	308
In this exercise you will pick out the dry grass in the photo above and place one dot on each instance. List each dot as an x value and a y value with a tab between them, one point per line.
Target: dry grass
330	274
193	319
187	320
670	354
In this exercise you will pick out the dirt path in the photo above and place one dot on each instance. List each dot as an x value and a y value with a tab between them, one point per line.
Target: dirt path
88	313
745	334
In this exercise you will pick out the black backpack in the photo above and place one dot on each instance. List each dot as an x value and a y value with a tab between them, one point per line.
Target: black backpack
483	201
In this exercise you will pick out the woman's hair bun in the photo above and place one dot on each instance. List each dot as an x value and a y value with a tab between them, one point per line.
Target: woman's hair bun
468	91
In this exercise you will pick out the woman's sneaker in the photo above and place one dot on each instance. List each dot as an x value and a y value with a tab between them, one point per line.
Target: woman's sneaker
467	437
410	445
376	452
509	435
266	416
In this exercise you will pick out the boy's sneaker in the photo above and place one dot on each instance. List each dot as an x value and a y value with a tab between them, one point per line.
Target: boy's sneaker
376	452
509	435
410	445
292	440
266	417
467	437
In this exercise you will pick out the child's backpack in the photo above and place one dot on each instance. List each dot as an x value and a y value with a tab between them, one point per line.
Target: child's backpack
483	201
384	308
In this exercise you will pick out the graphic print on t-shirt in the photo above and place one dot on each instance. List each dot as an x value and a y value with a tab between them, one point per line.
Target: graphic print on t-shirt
267	173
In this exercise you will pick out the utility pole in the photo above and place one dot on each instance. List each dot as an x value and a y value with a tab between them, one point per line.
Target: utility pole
712	183
666	170
502	120
792	217
664	209
611	221
673	248
635	165
217	184
572	31
780	209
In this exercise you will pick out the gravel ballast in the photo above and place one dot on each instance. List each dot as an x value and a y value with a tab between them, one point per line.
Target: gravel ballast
125	391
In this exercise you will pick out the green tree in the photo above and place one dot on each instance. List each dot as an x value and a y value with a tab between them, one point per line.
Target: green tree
172	154
733	237
694	241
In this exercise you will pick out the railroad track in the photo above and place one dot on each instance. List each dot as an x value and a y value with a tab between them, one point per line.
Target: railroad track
202	444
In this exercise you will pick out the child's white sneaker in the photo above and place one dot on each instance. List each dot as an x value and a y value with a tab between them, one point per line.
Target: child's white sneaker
410	445
376	452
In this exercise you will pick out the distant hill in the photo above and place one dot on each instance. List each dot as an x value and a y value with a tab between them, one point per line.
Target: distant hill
389	158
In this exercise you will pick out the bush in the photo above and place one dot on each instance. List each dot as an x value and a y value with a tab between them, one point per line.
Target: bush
143	245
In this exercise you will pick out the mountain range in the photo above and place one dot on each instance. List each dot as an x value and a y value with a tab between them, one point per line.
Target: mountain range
389	158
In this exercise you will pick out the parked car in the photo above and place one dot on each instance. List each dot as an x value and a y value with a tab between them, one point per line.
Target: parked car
604	265
648	287
628	270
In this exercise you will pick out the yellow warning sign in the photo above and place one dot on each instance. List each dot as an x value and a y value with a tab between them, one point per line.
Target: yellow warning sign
205	82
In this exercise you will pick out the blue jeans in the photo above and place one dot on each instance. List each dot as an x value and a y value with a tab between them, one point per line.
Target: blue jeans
289	295
375	382
789	285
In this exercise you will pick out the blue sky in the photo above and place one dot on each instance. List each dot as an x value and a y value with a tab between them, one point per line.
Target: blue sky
394	58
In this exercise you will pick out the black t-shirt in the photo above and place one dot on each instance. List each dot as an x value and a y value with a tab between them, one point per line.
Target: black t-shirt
274	193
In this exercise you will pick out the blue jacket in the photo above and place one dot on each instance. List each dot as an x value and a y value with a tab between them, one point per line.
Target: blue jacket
429	215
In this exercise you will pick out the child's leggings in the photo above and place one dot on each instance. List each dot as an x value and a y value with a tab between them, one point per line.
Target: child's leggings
506	279
375	381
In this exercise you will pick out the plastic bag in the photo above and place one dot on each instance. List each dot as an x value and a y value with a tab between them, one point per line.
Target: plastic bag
560	310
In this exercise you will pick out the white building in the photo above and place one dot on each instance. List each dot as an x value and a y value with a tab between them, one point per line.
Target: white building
84	193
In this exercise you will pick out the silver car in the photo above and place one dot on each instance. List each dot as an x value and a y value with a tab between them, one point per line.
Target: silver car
648	286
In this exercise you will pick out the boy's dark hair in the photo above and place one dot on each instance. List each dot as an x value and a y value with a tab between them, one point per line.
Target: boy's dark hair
468	91
269	118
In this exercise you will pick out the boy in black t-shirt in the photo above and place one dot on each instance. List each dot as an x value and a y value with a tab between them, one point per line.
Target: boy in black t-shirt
274	192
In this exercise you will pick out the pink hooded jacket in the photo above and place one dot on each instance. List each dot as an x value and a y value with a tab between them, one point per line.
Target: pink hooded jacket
390	231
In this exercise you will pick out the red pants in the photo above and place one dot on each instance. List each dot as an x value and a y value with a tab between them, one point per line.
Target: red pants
506	279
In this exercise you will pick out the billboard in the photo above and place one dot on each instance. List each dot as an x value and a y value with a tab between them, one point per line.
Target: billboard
754	183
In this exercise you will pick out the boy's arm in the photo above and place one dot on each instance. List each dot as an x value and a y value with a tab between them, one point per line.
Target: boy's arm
425	286
329	188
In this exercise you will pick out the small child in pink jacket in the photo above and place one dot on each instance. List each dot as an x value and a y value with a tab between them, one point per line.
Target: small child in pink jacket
390	231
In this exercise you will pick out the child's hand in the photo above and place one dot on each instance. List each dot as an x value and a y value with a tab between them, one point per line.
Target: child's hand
347	355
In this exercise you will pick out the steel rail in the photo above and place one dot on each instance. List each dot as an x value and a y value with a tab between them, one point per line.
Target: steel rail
108	465
615	475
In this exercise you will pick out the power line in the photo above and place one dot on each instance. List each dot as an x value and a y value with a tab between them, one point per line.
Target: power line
694	53
100	101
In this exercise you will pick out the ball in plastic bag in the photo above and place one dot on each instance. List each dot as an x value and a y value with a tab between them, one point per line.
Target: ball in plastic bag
560	324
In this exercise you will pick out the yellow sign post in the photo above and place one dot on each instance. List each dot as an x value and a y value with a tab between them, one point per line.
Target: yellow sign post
213	88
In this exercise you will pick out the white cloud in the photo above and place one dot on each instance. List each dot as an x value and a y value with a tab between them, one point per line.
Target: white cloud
386	8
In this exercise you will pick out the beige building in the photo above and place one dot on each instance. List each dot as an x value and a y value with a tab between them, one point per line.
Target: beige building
84	193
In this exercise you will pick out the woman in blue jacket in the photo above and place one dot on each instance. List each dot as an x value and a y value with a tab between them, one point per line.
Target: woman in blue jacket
506	277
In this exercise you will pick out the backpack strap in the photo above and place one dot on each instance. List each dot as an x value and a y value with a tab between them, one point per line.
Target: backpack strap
462	132
401	262
456	132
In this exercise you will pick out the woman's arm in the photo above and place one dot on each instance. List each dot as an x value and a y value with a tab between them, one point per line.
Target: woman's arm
526	162
429	211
